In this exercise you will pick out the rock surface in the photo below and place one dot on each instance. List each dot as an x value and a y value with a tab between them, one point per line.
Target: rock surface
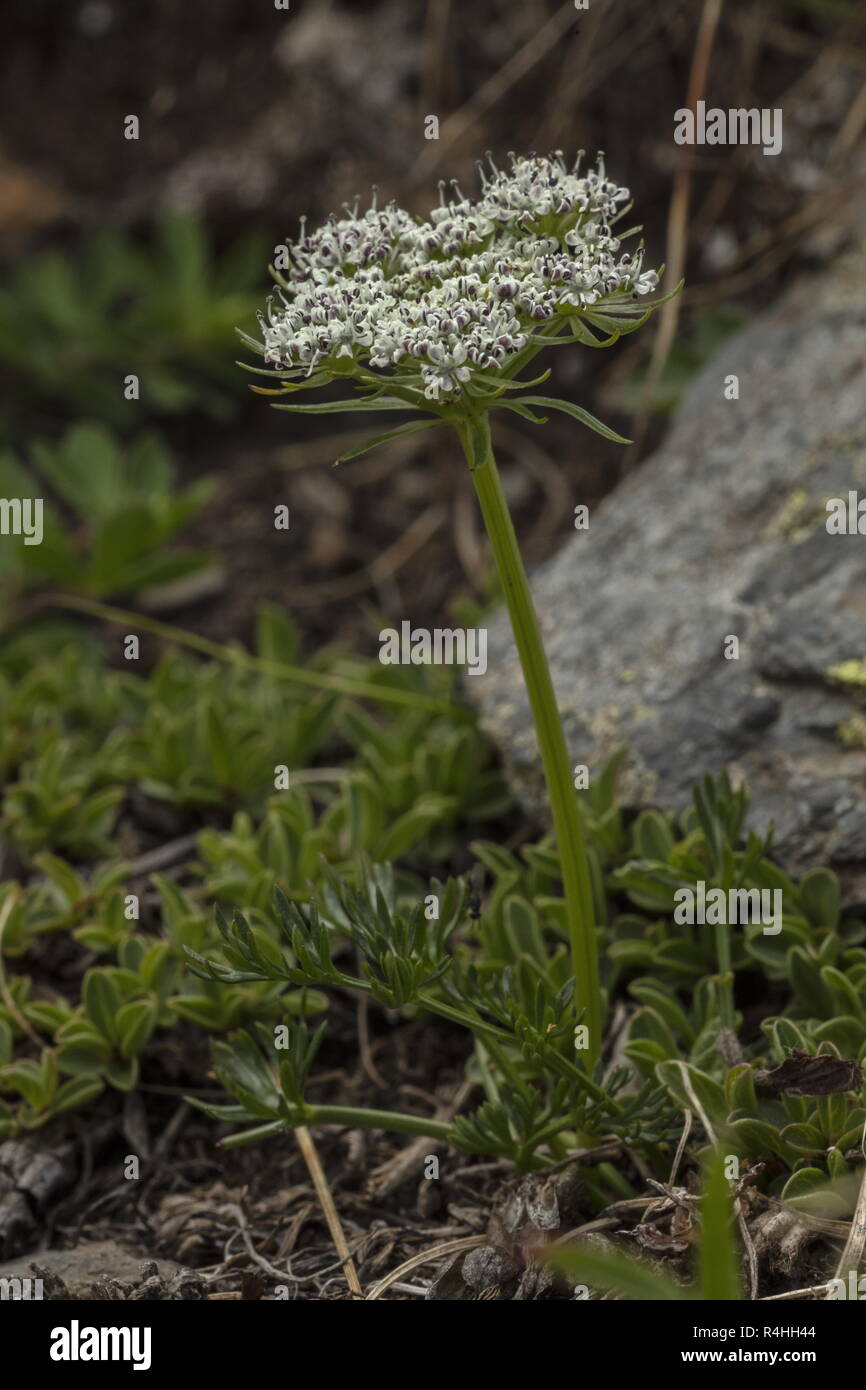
32	1175
722	532
99	1270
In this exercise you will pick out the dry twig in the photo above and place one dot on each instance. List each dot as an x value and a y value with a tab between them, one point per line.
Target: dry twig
323	1192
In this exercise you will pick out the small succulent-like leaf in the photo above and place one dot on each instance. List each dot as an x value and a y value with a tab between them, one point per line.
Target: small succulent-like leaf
102	999
135	1023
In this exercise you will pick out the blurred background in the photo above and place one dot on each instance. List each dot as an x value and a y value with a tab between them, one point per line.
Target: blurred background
124	258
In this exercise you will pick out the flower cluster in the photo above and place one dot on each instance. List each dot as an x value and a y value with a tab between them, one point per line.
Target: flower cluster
465	289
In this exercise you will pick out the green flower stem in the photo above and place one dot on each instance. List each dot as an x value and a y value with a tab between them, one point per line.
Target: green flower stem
378	1119
509	1072
252	1136
470	1021
475	437
236	656
725	977
549	1135
352	1117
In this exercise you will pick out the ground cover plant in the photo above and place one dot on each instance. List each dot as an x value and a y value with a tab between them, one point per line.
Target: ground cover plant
441	317
335	879
264	852
164	308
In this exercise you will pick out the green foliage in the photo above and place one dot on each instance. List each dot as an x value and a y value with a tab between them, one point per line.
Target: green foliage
333	875
79	739
521	1022
718	1277
74	324
505	976
61	799
612	1271
123	507
76	736
207	737
417	781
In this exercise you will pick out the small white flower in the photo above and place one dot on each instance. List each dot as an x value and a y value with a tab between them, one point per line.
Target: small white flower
443	379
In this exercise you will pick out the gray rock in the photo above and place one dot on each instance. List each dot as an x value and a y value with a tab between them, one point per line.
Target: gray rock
723	532
86	1268
488	1267
31	1175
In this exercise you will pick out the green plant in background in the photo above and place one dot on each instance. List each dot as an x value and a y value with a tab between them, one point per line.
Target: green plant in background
213	734
314	926
61	799
100	1039
74	324
80	738
440	317
117	508
504	975
416	777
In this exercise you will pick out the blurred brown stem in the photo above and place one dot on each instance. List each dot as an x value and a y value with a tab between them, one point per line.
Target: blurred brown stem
678	214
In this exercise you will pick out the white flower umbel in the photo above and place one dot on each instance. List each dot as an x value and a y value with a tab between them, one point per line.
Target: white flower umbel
436	305
438	317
